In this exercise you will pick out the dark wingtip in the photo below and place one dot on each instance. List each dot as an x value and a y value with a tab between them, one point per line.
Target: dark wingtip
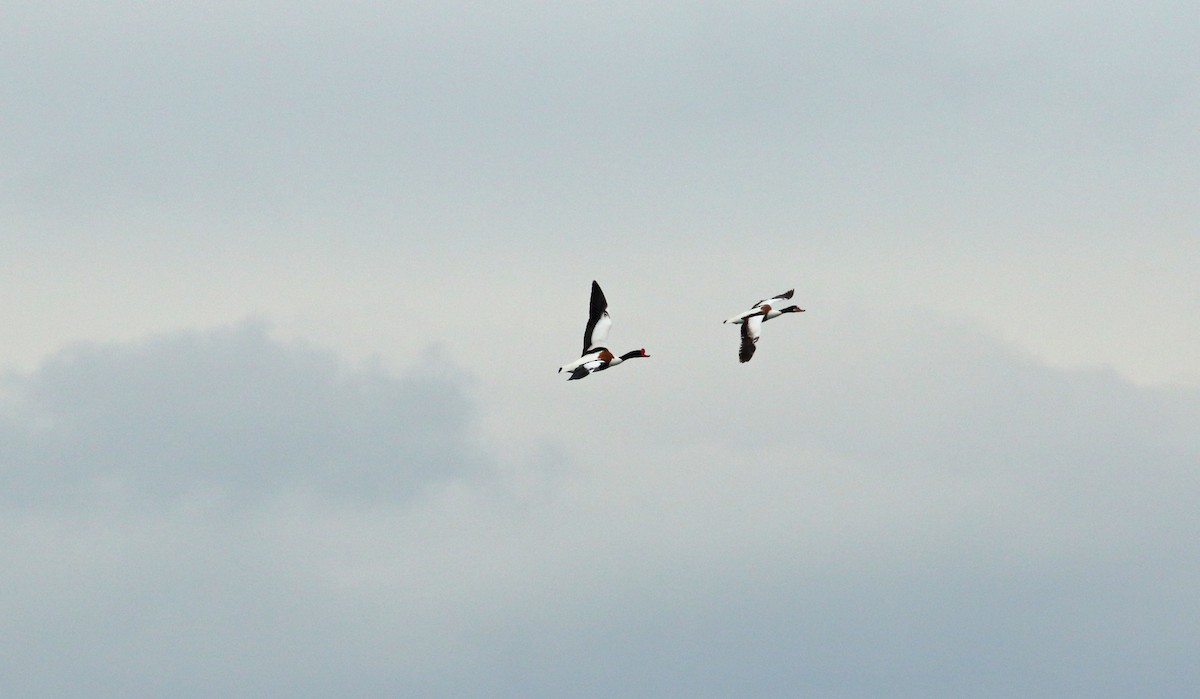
599	303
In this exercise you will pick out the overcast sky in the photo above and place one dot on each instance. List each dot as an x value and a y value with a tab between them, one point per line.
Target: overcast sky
285	288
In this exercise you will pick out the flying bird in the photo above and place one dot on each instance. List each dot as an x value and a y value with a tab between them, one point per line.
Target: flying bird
752	320
597	357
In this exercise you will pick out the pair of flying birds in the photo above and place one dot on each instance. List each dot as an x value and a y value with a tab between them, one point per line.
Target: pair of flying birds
596	356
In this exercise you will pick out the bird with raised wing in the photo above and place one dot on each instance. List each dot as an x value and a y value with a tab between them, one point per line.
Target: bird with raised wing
597	357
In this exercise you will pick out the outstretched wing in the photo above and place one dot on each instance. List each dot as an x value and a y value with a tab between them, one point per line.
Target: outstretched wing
750	334
596	332
786	295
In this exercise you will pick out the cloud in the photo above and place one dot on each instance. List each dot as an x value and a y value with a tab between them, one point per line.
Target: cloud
231	412
879	504
485	114
932	514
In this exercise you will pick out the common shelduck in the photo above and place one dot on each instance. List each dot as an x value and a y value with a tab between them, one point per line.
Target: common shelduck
752	320
596	356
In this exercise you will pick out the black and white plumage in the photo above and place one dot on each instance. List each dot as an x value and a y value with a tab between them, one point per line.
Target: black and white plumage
751	331
752	320
597	357
599	322
601	363
769	306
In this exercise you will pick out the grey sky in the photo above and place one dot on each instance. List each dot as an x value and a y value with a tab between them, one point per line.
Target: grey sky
229	412
285	289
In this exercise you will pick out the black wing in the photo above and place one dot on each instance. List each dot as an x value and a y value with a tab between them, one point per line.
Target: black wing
579	373
598	309
746	351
